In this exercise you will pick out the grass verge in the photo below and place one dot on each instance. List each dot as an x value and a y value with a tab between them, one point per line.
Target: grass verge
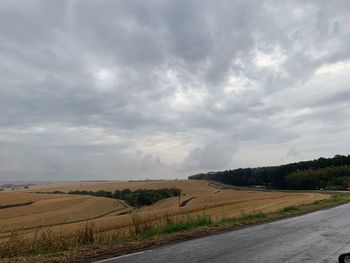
87	243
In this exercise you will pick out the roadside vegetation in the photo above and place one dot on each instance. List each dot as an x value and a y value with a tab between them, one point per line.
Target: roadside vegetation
46	245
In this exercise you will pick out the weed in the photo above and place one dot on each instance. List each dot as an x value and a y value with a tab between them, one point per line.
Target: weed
173	227
289	209
244	217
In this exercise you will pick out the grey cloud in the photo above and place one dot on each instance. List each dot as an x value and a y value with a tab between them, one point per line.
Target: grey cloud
216	154
339	97
168	79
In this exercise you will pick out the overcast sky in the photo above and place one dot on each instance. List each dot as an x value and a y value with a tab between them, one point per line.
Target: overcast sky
164	89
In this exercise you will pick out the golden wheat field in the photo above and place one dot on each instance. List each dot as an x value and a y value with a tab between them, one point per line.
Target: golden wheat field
70	212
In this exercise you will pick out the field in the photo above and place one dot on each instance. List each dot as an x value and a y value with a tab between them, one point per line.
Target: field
25	211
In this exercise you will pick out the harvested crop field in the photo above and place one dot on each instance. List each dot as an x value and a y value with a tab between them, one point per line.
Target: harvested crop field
25	211
64	211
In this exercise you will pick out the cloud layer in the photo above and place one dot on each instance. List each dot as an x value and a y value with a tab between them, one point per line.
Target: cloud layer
162	89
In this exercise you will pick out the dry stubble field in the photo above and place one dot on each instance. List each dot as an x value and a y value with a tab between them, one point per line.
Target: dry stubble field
70	212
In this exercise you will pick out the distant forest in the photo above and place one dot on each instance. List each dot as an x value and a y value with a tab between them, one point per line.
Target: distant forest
322	173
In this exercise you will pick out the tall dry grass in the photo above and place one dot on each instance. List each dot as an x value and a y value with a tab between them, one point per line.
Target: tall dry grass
45	240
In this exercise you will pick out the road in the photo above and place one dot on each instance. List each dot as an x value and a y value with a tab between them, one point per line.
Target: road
316	237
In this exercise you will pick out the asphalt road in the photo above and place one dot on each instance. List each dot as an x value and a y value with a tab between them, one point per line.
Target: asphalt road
317	237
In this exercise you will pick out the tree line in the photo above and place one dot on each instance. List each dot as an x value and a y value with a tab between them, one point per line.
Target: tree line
333	178
135	198
274	176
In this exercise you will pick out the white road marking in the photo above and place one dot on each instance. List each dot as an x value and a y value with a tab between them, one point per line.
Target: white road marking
123	256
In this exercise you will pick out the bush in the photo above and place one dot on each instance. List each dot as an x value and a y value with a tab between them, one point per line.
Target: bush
143	197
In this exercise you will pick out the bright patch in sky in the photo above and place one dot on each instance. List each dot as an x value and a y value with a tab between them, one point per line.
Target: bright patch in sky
188	98
105	78
273	59
333	68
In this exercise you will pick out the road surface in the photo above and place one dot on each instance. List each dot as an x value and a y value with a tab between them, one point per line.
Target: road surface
317	237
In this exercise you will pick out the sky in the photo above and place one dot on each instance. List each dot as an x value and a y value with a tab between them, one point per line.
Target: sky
128	90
